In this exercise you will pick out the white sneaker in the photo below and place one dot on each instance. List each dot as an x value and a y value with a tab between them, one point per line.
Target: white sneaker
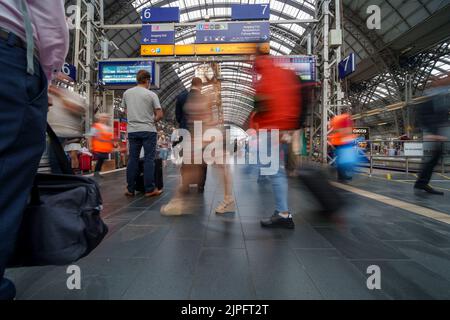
226	206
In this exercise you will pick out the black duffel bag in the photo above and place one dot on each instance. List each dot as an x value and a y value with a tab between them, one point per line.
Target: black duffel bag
62	223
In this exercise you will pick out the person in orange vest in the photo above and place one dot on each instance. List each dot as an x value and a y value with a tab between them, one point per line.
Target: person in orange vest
101	141
342	138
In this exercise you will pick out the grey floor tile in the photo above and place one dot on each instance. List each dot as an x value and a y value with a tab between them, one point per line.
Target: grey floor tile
224	233
277	273
222	273
355	243
304	236
408	280
169	273
132	242
434	259
253	230
334	276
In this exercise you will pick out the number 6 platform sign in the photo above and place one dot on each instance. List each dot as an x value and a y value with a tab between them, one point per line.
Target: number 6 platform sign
69	70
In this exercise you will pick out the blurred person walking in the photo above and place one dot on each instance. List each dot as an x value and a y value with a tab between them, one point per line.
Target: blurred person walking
66	116
342	138
34	42
433	116
278	107
101	141
143	110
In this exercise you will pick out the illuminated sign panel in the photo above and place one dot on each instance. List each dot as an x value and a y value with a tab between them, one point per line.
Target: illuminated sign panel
303	66
123	73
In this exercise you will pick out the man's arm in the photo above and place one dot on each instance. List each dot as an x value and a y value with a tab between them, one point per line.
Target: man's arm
158	114
157	108
49	19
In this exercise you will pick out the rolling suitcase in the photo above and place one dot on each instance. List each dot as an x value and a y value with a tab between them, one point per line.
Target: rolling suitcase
159	183
193	174
85	162
326	194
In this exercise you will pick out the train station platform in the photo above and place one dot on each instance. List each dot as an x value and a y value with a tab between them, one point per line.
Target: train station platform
201	255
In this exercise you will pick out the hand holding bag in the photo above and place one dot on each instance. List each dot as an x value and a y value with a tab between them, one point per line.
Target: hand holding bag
62	222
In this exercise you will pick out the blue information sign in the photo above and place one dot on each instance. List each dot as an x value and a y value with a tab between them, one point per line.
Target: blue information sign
115	73
69	70
347	66
151	15
157	34
250	11
232	32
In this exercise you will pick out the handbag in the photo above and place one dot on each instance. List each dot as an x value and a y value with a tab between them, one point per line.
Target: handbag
61	223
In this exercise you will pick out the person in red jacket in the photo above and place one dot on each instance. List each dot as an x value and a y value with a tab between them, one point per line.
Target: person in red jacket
277	107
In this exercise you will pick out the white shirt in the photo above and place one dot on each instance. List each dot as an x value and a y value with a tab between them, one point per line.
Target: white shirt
50	31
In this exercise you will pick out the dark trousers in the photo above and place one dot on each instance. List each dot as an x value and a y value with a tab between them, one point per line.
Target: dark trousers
101	157
23	113
137	141
427	168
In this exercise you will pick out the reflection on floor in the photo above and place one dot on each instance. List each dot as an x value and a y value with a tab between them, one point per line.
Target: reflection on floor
204	256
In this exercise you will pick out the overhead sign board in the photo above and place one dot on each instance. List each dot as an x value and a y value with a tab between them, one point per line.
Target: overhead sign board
152	15
347	66
204	49
239	32
123	73
250	11
157	50
185	50
413	149
228	48
304	66
158	34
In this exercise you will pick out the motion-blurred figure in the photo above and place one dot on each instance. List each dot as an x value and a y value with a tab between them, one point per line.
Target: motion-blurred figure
342	138
433	117
278	106
66	116
101	141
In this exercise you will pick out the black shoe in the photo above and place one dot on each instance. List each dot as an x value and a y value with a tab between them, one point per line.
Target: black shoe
277	221
428	189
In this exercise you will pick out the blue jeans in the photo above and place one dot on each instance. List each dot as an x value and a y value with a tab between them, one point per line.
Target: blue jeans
137	140
278	179
23	118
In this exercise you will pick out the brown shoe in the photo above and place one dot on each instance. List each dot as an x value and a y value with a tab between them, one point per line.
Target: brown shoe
154	193
129	194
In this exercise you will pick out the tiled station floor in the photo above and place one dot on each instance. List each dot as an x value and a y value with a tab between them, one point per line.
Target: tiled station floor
201	255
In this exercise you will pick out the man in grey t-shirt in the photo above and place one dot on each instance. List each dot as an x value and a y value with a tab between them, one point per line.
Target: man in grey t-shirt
143	110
